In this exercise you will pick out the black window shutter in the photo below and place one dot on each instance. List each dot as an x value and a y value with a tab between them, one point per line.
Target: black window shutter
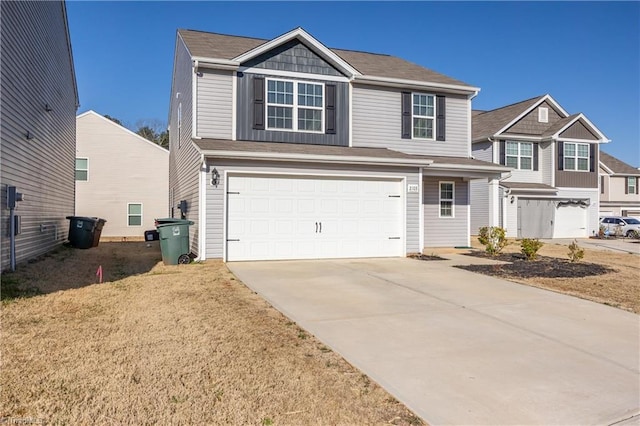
560	156
592	157
258	103
626	185
503	159
330	109
636	185
535	156
406	115
441	107
602	184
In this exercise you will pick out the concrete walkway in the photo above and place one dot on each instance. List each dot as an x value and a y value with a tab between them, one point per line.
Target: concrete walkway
460	348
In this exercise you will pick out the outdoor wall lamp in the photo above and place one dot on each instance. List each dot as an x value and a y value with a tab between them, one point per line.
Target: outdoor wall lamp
512	199
48	108
28	135
215	177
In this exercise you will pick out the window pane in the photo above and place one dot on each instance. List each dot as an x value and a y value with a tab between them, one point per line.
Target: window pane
280	92
423	105
569	163
526	149
446	208
135	208
446	191
135	220
81	163
81	175
525	163
512	162
583	150
309	94
280	117
512	148
423	128
310	119
583	164
569	149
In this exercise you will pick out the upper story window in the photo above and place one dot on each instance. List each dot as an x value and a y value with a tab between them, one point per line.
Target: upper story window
632	185
446	199
82	169
519	155
424	113
296	106
576	156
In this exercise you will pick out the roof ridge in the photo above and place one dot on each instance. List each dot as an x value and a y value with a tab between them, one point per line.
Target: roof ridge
516	103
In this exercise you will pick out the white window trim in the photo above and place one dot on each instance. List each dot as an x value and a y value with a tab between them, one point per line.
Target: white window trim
575	157
77	169
452	199
435	114
295	107
519	156
141	215
631	191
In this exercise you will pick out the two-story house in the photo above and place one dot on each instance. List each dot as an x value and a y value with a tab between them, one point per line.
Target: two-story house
619	195
287	149
552	190
37	129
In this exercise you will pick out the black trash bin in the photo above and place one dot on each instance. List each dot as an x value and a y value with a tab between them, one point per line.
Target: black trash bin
81	231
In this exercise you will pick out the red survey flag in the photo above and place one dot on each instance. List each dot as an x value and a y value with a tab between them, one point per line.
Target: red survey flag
99	274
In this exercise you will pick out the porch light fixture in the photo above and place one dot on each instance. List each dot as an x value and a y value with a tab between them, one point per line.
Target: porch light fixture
215	177
512	199
48	108
28	135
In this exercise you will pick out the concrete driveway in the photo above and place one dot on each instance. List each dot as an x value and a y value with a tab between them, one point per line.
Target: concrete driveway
462	348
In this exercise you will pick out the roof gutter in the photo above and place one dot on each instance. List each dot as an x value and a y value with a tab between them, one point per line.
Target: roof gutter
402	83
218	64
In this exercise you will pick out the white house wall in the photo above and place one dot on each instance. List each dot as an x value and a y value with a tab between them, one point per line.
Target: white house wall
377	123
214	104
215	195
123	169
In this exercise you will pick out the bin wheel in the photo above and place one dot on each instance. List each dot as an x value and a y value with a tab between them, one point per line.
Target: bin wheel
184	259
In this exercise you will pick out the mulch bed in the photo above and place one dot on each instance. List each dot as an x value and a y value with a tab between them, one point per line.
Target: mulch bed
541	267
426	257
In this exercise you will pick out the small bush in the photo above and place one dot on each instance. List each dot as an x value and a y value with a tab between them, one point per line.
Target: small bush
529	247
493	238
576	253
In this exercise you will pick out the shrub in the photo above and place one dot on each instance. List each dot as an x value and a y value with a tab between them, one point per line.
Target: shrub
529	247
576	253
493	238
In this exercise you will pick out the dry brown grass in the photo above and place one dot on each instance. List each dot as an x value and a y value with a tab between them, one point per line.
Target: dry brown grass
620	289
158	344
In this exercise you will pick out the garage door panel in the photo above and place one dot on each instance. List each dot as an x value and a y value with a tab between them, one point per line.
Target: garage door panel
277	217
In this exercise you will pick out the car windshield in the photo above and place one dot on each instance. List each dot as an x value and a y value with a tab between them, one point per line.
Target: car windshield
632	221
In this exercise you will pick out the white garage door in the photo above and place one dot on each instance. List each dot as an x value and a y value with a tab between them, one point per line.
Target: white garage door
571	221
281	217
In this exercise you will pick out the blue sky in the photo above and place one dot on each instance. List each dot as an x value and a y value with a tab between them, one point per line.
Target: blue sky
585	54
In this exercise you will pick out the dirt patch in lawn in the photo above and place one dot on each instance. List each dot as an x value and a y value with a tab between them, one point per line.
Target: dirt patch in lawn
158	344
605	277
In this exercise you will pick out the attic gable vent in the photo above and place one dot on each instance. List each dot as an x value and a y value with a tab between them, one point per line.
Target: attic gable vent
543	115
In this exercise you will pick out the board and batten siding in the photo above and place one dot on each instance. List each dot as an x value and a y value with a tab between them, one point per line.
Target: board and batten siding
377	123
216	194
214	90
37	70
245	130
184	159
448	231
123	168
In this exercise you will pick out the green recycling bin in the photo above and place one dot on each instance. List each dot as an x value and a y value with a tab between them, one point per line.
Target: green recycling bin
81	231
174	241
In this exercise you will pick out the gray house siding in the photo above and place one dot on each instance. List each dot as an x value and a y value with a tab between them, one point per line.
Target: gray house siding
479	189
529	124
575	179
184	159
377	123
214	108
293	56
37	70
215	195
245	129
578	131
445	232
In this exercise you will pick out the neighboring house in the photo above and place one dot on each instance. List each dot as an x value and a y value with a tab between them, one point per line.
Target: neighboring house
618	187
38	127
286	149
120	177
552	191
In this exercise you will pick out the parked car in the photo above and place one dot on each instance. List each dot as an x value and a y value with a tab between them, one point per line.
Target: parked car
620	226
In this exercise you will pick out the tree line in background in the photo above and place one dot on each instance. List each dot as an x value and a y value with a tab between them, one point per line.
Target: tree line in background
152	130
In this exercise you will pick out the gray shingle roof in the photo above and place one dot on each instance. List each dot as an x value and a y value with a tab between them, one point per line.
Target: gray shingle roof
618	167
486	124
220	46
558	125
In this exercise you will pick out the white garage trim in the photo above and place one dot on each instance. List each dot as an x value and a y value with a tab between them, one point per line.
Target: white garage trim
333	245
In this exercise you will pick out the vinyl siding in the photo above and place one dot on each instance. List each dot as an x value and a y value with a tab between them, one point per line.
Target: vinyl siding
578	131
445	232
36	70
529	124
293	56
479	204
123	168
184	159
377	123
617	185
545	162
527	176
215	196
245	116
483	151
214	108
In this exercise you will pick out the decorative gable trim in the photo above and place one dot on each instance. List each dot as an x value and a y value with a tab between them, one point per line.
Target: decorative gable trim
580	117
324	52
545	98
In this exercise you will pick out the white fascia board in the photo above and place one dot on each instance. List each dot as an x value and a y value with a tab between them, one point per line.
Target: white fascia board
531	108
214	63
606	169
520	137
314	158
601	137
301	35
471	167
418	85
464	174
572	140
516	191
293	74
